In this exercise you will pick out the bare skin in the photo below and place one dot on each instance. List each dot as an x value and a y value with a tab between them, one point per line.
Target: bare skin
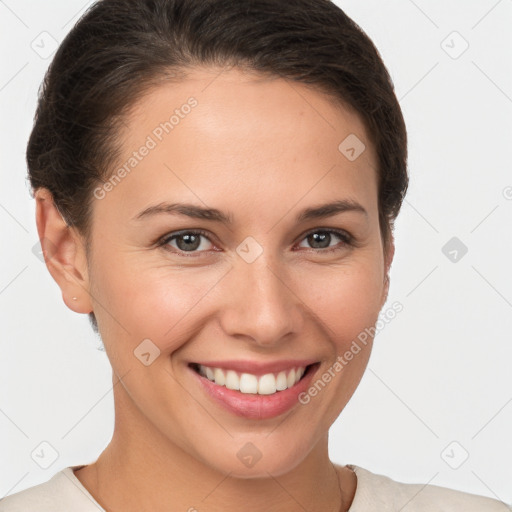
262	150
346	478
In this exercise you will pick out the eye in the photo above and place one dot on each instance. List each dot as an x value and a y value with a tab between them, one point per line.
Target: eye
186	242
321	238
190	241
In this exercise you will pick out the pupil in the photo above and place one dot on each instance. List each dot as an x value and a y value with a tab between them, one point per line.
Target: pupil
191	242
315	238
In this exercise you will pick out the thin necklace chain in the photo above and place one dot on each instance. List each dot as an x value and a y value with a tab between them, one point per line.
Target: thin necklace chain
342	506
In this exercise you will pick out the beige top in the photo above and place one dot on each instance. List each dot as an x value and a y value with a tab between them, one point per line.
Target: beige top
374	493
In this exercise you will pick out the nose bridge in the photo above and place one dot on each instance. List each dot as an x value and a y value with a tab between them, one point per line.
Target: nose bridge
262	304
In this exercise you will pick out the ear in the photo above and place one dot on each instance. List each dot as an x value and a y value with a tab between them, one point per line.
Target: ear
64	253
389	253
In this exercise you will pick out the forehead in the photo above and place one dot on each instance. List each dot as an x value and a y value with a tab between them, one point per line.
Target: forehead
226	133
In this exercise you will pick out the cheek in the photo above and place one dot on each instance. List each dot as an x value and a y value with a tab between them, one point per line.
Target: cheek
155	302
346	299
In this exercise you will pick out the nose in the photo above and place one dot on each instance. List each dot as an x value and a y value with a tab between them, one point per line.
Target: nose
262	305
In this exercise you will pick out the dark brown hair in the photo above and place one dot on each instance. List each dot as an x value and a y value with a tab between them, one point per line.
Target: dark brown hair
120	48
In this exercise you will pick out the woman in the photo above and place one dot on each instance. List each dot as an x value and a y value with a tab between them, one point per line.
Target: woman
216	186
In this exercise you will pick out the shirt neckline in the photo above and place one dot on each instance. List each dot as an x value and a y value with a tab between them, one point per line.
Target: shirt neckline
354	507
69	473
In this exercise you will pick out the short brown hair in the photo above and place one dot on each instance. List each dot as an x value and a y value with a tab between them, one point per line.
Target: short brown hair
119	48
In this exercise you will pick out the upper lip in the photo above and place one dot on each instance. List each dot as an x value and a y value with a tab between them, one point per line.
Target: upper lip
256	367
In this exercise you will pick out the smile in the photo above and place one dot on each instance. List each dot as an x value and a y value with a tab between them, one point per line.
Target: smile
256	397
266	384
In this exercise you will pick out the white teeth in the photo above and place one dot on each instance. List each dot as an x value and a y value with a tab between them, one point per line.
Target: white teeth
248	383
291	378
266	384
232	380
281	381
218	376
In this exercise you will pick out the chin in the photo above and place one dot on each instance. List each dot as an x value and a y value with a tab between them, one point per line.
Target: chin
249	461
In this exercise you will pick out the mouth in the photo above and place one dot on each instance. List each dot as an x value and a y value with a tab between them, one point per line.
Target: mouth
249	383
253	397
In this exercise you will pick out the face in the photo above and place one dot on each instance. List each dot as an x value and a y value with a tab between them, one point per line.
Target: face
265	285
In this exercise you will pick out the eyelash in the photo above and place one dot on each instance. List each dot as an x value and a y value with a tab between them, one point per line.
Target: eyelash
347	239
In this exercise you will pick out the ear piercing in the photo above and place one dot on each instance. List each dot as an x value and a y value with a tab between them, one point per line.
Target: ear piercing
74	298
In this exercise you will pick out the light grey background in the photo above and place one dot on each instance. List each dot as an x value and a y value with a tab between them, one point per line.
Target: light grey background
439	384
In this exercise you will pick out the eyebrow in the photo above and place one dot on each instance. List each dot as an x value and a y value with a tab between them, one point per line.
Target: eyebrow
213	214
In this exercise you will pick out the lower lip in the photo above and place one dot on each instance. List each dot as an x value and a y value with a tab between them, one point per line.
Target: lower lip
252	405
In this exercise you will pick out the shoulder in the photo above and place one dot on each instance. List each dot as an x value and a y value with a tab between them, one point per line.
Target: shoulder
376	492
59	494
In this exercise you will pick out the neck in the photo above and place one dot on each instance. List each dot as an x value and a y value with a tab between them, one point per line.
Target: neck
141	469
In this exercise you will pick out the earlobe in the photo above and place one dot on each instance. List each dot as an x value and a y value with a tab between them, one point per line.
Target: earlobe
63	253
